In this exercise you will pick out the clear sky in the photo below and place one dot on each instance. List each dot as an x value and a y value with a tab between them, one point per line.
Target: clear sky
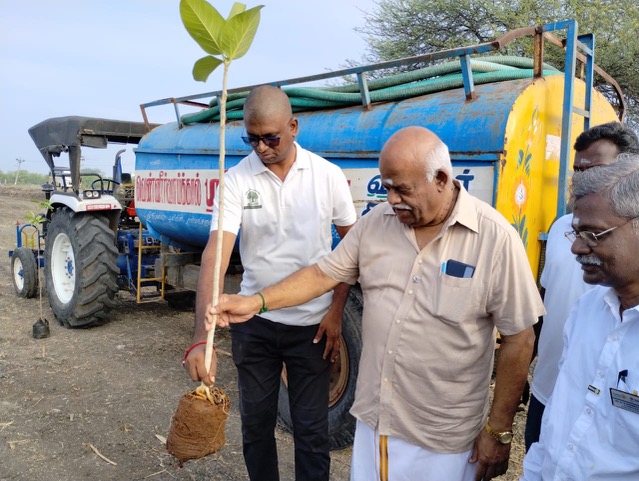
103	58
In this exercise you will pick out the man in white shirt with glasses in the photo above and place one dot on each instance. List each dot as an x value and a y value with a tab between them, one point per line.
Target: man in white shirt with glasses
590	427
561	278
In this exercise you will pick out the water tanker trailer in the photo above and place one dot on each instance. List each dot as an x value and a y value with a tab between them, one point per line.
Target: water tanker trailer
509	123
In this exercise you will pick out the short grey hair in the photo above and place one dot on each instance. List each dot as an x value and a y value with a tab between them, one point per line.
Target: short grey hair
438	159
618	182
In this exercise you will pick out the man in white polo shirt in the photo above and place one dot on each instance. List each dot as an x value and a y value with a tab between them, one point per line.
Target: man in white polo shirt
285	199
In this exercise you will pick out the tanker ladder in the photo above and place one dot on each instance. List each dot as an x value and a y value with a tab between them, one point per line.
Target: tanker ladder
148	245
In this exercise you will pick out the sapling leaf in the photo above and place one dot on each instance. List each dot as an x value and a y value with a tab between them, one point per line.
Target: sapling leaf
236	8
204	67
238	33
204	23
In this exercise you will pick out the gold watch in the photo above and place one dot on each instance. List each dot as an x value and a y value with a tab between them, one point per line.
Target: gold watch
505	437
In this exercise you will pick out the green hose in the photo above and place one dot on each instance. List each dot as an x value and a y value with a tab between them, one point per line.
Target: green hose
434	78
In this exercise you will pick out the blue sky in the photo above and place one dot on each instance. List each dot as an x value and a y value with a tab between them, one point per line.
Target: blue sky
103	58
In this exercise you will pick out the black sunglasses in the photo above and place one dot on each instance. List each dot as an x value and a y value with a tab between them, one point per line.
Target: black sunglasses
269	140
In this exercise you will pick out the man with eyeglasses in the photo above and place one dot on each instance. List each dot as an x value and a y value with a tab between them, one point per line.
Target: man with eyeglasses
285	199
590	428
561	278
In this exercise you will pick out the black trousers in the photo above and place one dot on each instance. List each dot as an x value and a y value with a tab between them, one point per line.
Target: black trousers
260	347
533	421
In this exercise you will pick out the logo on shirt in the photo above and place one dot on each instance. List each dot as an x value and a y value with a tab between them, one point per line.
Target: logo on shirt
252	199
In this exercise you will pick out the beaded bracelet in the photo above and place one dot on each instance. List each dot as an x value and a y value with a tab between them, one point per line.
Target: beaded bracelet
264	308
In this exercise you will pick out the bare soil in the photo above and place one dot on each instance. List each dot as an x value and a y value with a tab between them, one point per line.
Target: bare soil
96	404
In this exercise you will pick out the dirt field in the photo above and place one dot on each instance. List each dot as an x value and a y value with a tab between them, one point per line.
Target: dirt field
94	404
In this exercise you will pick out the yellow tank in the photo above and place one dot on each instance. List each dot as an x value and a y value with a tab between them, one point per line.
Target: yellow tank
527	182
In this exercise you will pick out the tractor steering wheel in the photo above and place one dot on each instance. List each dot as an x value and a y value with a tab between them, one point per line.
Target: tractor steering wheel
101	183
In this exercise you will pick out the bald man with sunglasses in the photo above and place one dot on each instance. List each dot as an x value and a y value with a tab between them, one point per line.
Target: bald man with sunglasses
285	199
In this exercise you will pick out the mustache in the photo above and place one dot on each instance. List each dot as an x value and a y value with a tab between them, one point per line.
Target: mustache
401	207
590	260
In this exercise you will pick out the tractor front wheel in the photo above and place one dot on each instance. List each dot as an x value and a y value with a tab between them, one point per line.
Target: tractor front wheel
24	272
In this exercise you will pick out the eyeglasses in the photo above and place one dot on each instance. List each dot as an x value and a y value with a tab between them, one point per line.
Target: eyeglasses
590	238
269	140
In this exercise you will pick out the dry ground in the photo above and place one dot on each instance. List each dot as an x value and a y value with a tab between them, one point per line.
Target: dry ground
110	390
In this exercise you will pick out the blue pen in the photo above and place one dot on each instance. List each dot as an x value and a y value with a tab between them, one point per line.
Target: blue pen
622	376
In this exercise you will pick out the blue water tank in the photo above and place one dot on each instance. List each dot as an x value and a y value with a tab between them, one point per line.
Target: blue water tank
177	167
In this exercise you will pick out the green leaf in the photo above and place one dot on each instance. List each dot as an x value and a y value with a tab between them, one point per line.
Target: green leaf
204	23
204	67
239	32
236	8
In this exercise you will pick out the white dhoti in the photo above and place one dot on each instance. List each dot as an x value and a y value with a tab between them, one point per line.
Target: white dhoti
385	458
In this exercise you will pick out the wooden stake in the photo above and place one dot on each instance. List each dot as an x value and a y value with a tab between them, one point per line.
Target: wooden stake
208	354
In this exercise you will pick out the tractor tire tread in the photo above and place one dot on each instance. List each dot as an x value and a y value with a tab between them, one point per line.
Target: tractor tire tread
96	260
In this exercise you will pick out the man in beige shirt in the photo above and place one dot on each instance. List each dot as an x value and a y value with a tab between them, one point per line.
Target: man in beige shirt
439	271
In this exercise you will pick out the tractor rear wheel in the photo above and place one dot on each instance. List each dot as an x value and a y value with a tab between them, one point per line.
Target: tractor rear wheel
80	268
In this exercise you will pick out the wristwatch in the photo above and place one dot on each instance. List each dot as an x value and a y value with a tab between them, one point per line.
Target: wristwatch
505	437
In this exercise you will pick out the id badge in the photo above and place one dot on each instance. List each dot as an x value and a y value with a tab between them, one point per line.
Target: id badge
624	400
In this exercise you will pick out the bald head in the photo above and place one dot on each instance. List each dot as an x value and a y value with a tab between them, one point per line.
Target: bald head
417	147
271	127
416	171
266	102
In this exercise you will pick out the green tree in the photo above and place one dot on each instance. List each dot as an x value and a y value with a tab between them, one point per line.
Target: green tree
25	178
402	28
92	171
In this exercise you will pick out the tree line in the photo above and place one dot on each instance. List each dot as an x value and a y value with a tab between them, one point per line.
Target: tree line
22	177
404	28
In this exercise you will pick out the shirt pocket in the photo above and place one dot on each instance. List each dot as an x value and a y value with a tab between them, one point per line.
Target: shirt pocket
625	434
457	299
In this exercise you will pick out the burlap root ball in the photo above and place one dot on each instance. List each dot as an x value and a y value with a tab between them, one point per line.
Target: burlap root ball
197	428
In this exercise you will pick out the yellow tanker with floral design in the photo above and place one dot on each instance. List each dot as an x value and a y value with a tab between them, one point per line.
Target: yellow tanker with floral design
529	168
